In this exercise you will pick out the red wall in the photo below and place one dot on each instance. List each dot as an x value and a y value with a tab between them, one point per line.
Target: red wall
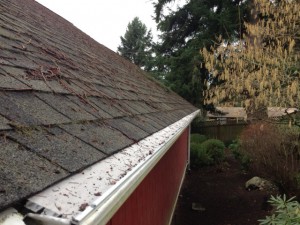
153	200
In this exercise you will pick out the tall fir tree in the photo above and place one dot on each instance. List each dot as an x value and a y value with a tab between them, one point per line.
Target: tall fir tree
186	30
136	45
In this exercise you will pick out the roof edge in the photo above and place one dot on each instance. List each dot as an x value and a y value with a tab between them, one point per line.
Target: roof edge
74	199
101	211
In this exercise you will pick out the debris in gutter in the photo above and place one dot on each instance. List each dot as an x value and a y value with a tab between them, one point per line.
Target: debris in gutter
83	191
83	207
98	194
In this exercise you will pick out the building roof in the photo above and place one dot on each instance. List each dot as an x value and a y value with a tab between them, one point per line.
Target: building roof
274	112
228	112
67	102
240	112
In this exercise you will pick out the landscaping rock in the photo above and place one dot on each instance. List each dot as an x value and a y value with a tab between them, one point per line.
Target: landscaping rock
258	183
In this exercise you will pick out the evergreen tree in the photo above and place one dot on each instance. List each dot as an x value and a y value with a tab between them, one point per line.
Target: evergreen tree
188	29
136	45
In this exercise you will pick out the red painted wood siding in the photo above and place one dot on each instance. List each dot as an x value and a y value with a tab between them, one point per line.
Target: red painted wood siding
153	200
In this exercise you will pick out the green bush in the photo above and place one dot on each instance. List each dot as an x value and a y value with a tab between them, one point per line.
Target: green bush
287	212
298	180
198	138
208	153
214	149
194	149
239	155
235	149
199	157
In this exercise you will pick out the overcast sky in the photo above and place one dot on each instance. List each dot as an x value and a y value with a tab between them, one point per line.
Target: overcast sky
105	21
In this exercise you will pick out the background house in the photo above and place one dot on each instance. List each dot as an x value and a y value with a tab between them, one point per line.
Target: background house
226	123
86	136
224	114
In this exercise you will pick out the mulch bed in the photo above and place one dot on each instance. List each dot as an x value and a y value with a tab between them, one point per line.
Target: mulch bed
220	196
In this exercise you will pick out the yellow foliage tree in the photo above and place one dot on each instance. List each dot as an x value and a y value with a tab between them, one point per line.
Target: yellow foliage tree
262	68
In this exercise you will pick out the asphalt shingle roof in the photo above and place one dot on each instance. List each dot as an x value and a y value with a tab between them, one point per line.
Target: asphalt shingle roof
66	101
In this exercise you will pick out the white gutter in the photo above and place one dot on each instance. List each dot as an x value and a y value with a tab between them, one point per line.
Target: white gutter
120	174
11	217
48	220
189	149
102	210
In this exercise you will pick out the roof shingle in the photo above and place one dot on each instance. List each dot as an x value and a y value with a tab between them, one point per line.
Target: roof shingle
66	101
23	172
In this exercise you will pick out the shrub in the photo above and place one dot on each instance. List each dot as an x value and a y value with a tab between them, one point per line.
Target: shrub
198	138
204	159
235	148
214	149
287	212
274	153
194	149
208	153
239	155
199	157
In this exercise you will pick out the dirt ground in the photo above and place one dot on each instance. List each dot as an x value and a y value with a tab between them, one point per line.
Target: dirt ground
220	196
